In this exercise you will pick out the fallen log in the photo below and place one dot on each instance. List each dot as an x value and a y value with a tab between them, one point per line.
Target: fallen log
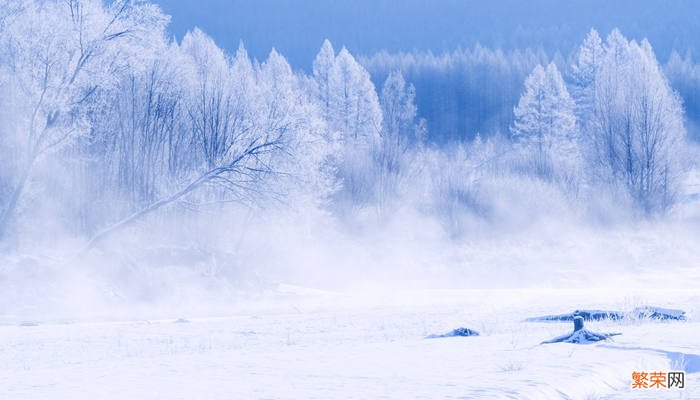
644	312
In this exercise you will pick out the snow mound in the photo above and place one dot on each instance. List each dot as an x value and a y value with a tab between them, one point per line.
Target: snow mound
454	333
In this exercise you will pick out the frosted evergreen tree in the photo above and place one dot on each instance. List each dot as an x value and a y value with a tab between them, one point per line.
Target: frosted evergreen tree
347	95
323	73
243	78
544	122
352	111
587	62
583	72
300	171
355	103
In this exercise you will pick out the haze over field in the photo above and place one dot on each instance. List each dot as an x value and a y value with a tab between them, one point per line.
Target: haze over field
180	164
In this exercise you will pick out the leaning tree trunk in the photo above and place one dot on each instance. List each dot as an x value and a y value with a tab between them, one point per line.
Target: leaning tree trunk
253	150
149	209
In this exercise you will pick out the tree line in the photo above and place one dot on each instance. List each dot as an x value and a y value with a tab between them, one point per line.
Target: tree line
104	119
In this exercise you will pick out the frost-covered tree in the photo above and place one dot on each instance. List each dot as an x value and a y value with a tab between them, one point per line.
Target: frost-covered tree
303	169
400	114
544	122
137	137
253	134
57	55
352	110
638	125
126	122
401	129
583	70
324	74
355	104
347	96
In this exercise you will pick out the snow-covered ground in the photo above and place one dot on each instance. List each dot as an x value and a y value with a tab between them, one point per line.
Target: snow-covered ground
306	344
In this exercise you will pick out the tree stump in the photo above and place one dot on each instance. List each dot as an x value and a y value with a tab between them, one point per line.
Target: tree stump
581	335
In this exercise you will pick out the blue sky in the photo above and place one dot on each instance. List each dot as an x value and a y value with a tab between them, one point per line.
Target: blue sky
297	28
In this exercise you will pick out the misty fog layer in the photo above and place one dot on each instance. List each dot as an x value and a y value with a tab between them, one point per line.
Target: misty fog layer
135	168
